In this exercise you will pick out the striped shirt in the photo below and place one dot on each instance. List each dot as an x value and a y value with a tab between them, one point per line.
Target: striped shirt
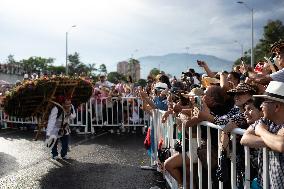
278	76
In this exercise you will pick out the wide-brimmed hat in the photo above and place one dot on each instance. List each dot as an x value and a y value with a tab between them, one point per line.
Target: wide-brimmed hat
194	92
277	46
243	88
274	91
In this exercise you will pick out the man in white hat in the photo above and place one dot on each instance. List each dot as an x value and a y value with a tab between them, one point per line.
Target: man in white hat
269	132
160	99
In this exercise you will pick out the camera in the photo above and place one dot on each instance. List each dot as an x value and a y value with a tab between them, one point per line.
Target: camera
187	74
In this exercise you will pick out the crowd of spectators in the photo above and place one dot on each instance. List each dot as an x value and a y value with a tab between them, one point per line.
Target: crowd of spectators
245	97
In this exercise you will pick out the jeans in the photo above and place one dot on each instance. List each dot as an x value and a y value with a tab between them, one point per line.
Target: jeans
64	143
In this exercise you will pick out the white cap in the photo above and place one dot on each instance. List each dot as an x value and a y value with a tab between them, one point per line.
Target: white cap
161	86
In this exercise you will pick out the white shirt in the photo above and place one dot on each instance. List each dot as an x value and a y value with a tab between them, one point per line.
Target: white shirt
54	122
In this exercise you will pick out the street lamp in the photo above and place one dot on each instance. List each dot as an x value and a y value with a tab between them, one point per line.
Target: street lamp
242	47
251	9
67	48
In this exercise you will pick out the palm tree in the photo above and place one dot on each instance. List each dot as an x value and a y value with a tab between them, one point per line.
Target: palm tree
91	68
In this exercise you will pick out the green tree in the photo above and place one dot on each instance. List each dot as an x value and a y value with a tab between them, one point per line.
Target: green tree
11	59
273	32
13	65
142	82
74	63
36	64
56	69
91	68
75	66
246	60
114	77
154	72
102	69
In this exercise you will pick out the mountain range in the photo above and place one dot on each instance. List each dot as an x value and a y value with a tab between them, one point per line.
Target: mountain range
175	63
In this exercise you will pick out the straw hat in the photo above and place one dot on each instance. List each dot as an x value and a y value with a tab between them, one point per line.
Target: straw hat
242	88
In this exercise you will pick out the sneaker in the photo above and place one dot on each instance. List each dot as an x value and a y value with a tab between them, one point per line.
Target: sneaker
65	157
55	157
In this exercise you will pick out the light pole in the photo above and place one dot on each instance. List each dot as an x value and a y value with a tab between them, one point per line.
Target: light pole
242	47
251	9
67	48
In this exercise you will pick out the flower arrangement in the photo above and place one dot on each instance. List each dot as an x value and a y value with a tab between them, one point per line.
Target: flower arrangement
31	96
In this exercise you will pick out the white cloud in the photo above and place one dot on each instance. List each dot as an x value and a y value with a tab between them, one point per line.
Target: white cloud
110	30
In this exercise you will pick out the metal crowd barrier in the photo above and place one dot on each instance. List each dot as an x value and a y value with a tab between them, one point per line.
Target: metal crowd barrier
115	112
165	131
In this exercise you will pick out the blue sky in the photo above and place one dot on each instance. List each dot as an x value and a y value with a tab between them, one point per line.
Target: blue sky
108	31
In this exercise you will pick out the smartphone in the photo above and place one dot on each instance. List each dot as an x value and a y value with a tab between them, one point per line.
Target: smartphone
198	102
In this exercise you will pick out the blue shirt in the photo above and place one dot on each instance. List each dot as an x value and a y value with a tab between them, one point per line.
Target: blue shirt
161	104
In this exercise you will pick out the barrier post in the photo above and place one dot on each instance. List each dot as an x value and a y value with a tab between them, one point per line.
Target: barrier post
265	169
209	158
233	162
199	162
247	167
155	127
91	118
219	154
183	158
190	159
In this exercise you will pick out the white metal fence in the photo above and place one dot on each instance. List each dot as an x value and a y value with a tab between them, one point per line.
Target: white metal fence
104	112
165	131
127	112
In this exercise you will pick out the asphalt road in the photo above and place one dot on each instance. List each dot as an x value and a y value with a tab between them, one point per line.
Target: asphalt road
102	161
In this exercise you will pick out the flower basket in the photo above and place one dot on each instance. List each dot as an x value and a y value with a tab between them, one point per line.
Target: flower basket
32	97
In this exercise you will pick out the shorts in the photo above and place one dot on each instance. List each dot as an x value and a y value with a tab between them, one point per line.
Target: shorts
194	151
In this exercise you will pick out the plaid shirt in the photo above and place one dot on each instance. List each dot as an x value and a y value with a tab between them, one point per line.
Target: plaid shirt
275	159
234	115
